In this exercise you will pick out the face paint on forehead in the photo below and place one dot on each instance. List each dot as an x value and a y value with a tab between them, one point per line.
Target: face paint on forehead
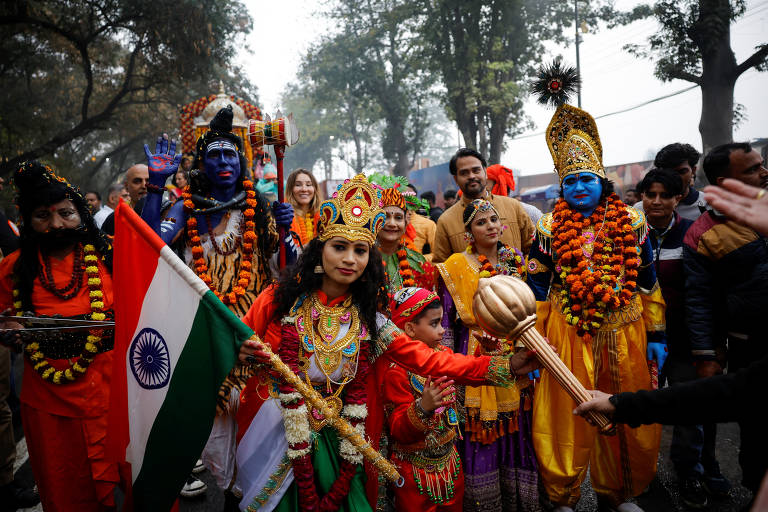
220	145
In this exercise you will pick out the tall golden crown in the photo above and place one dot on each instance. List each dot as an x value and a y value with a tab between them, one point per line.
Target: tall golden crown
353	212
574	142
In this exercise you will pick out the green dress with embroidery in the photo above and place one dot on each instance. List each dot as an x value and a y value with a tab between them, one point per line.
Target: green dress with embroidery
327	463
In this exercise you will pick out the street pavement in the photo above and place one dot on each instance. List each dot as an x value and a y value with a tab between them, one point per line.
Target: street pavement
662	495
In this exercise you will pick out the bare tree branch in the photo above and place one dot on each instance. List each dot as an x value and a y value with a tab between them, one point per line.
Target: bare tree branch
753	60
684	75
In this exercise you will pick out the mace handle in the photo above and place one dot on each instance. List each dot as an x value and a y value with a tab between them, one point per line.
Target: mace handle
567	380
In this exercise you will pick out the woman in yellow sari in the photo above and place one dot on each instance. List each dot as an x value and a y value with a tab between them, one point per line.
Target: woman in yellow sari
497	450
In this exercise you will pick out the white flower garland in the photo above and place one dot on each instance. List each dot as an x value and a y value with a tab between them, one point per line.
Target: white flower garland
296	425
356	411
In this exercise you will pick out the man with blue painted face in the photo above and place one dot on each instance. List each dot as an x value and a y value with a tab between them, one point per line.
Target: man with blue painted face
223	228
599	303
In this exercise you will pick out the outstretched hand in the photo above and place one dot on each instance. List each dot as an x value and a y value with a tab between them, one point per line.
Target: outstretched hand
164	162
600	402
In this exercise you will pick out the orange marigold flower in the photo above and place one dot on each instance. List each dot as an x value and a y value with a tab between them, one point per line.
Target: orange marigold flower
248	248
244	274
249	236
243	282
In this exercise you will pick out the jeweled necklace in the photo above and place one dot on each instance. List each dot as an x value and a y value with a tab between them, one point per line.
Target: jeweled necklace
327	348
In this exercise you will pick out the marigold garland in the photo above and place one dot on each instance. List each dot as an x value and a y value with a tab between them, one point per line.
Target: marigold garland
92	344
247	242
404	268
508	257
299	438
594	285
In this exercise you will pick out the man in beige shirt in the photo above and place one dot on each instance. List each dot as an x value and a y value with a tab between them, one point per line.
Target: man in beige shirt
468	169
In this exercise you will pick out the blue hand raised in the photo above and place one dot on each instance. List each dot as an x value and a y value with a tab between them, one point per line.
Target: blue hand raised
657	352
163	162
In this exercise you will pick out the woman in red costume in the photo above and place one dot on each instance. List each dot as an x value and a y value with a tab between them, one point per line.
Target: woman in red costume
62	268
324	320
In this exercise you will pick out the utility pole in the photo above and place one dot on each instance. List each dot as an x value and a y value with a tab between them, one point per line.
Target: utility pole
578	66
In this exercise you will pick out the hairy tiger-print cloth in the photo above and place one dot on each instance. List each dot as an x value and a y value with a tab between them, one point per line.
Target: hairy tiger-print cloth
223	269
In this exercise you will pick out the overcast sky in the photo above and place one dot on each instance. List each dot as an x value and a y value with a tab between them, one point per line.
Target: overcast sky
612	80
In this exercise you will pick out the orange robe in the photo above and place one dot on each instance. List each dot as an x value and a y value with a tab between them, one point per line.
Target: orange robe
66	425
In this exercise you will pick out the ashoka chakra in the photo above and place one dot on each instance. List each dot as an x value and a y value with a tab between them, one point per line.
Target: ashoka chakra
149	359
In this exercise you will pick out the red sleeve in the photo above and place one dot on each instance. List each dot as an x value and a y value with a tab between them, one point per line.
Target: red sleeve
404	425
259	316
418	358
6	280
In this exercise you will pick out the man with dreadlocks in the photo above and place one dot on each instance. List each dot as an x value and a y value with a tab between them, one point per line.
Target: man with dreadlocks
62	269
226	232
601	306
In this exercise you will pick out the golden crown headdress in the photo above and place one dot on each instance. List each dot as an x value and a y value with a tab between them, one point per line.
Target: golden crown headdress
353	212
572	135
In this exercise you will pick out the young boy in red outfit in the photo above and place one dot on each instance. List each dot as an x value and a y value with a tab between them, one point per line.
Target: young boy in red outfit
422	421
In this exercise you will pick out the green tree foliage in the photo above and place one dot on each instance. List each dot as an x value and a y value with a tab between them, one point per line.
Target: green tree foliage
85	81
484	51
694	44
377	57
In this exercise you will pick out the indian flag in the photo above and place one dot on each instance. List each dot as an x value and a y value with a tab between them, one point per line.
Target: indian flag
175	342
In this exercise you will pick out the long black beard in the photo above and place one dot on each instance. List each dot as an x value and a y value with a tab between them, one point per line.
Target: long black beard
57	239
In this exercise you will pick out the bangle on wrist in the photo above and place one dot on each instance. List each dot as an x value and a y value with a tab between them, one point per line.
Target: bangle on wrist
420	410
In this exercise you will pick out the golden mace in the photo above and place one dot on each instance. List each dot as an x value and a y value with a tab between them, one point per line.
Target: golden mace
505	307
341	425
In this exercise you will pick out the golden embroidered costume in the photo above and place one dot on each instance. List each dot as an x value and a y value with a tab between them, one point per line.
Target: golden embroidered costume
599	304
497	451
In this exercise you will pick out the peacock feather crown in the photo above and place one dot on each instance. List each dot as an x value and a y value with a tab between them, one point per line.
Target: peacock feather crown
572	136
353	212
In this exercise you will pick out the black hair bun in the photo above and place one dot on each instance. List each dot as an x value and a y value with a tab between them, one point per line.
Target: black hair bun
31	176
222	121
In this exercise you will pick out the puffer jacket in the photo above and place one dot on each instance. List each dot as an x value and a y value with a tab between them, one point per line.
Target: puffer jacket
726	266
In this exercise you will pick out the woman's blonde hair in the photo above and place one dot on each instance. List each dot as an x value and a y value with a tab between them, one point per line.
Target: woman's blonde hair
291	182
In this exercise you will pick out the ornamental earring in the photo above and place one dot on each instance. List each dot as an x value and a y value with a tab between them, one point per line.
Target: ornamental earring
468	238
319	269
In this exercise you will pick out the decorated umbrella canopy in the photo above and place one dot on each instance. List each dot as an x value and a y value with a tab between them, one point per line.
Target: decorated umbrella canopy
195	117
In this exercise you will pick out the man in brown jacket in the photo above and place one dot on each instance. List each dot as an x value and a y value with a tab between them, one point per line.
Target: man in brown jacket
468	169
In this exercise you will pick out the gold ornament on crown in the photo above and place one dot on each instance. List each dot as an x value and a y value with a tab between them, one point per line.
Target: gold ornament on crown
354	212
574	142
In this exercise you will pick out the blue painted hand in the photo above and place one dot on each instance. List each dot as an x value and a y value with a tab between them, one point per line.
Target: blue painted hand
657	352
164	162
283	213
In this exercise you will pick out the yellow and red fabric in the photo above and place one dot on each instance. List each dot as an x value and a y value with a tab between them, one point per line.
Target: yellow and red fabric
620	466
407	303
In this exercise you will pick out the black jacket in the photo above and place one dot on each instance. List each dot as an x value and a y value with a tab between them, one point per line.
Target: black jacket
726	267
720	399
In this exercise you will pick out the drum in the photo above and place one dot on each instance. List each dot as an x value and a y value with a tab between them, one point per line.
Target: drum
278	132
